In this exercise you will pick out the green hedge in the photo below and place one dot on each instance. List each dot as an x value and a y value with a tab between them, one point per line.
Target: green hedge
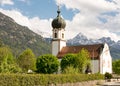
44	79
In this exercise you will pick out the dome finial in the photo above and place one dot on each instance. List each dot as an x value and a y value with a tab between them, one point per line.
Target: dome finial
58	11
58	22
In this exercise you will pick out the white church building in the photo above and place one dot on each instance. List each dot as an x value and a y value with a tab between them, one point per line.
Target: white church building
101	59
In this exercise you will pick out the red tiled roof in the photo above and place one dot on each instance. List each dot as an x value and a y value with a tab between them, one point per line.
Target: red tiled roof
94	50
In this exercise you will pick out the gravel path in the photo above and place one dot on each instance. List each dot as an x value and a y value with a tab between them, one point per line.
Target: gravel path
111	84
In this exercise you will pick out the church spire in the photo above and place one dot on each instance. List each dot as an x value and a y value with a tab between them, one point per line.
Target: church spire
58	41
58	11
58	22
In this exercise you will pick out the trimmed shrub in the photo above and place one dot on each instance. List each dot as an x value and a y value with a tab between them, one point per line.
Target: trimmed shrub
47	64
45	79
108	75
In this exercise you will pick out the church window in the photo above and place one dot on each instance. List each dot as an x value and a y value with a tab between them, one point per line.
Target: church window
55	35
62	35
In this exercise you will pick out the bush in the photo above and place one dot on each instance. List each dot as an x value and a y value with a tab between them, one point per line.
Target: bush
79	61
84	59
70	70
47	64
108	75
45	79
27	60
7	61
116	66
69	60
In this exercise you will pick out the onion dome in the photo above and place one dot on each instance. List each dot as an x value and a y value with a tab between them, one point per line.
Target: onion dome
58	22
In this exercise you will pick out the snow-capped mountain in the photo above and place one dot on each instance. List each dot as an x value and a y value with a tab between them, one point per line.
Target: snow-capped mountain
78	39
81	39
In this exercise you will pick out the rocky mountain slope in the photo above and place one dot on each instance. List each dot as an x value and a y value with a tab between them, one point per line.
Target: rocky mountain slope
81	39
18	37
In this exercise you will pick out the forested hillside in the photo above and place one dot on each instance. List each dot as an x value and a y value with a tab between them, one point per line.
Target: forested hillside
18	37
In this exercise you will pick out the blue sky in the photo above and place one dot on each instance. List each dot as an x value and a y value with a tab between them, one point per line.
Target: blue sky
44	9
93	18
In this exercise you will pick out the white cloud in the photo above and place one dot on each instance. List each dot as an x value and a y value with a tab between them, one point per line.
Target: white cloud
113	23
35	24
91	31
41	25
94	6
9	2
87	22
17	16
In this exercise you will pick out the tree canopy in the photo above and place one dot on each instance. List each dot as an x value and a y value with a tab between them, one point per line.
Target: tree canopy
84	59
78	61
7	61
116	66
27	60
47	64
69	60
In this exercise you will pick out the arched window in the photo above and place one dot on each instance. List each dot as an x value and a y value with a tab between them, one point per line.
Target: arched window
55	35
62	35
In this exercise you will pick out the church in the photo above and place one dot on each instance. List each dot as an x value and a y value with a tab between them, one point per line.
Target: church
101	59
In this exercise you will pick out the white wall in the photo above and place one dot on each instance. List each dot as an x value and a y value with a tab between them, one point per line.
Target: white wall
58	42
60	32
105	60
57	46
62	44
95	66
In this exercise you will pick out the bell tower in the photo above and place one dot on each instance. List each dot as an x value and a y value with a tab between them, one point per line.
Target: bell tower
58	34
